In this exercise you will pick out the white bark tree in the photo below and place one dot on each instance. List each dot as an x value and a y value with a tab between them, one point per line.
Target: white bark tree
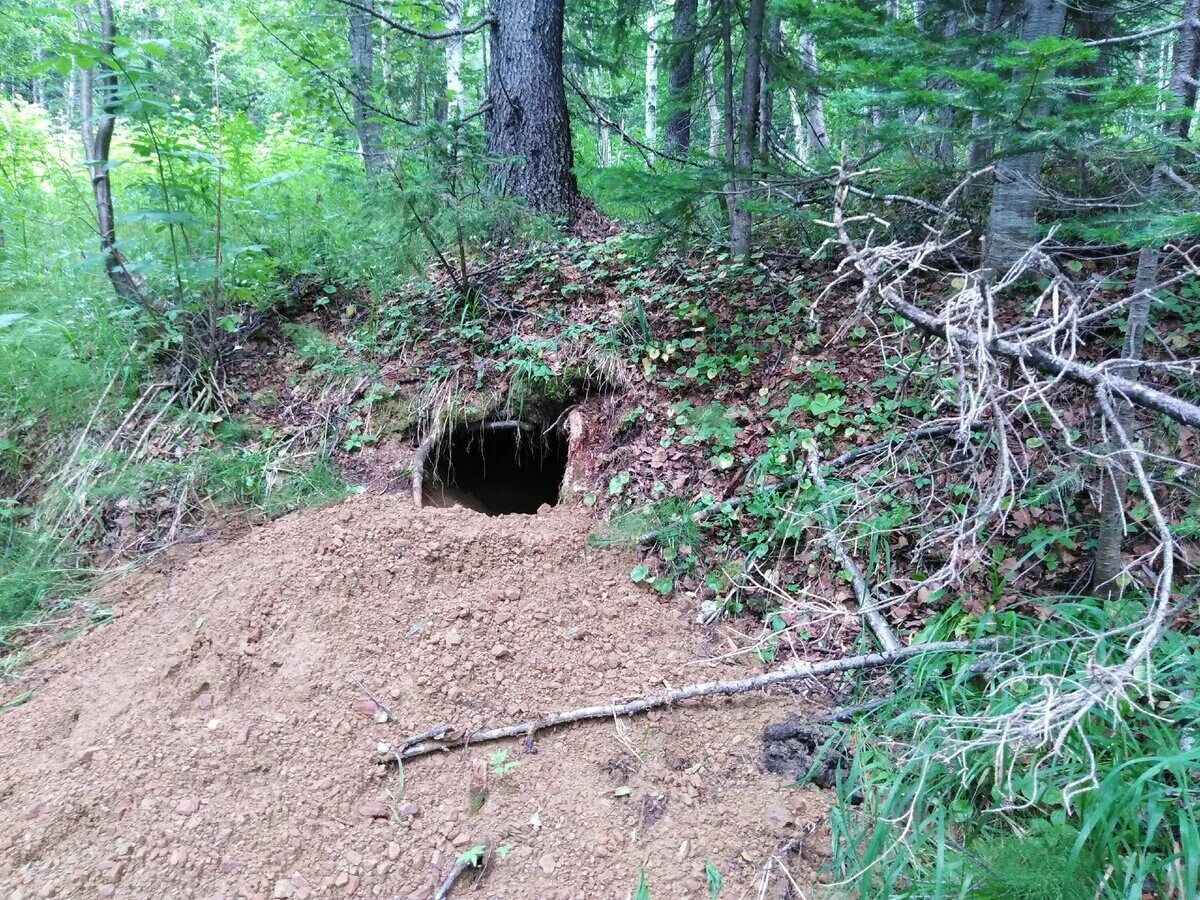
651	126
713	104
816	138
454	59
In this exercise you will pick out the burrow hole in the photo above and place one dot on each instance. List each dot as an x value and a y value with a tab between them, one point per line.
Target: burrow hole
498	467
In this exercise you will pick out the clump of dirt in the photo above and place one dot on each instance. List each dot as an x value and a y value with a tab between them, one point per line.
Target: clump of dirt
210	742
803	752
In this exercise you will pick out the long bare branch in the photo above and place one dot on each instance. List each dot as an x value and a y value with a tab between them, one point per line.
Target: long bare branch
695	692
416	32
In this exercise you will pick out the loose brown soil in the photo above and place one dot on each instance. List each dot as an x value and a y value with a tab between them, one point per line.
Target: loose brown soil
209	743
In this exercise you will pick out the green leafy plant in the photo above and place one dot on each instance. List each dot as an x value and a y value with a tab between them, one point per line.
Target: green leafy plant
712	876
500	765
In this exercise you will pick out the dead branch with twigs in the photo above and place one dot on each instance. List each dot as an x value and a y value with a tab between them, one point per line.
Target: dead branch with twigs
676	696
1033	382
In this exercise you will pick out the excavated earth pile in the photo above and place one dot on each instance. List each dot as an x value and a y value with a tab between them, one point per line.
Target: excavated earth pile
209	742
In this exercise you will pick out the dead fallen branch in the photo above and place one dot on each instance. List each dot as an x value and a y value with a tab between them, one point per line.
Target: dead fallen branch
862	591
693	692
1091	376
432	734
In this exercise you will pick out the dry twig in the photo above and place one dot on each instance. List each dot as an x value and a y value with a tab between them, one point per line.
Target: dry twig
693	692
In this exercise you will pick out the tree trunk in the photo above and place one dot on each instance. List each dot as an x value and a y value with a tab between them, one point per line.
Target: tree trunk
362	82
650	132
1013	217
678	135
713	103
454	59
943	148
766	99
96	130
1109	561
604	151
982	148
815	136
799	144
527	124
727	122
739	215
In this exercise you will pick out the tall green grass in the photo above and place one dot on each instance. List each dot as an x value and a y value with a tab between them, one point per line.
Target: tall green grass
1111	813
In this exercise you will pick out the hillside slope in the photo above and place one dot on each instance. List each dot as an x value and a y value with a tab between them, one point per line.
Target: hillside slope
209	741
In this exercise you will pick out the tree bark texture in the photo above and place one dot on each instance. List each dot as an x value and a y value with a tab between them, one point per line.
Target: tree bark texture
814	135
1109	561
1013	216
739	214
677	137
528	129
96	131
650	131
362	78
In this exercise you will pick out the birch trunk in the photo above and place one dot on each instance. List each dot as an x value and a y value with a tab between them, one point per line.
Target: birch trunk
454	59
362	72
815	136
799	144
650	130
713	104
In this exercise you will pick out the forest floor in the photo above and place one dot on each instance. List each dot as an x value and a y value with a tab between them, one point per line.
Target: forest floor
205	736
210	742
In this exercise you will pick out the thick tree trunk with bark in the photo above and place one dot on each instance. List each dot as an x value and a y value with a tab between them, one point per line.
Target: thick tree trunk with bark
677	137
99	85
1109	561
528	129
741	183
1013	217
362	81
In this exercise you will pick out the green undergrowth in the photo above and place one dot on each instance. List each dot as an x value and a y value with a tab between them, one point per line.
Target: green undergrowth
95	459
929	808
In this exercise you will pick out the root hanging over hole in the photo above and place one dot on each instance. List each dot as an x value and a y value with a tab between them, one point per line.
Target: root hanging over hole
497	468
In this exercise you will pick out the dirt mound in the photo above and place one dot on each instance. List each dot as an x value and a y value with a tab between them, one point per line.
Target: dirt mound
209	742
